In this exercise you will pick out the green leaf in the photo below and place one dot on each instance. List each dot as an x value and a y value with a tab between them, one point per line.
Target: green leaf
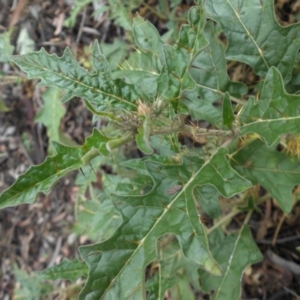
51	114
143	66
6	49
158	286
228	115
174	78
275	171
67	269
65	73
234	253
146	36
208	198
150	216
77	8
96	216
182	290
32	287
254	35
115	52
174	270
41	178
208	69
121	12
162	146
24	42
275	114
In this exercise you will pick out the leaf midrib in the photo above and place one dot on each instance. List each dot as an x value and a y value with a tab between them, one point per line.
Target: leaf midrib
249	35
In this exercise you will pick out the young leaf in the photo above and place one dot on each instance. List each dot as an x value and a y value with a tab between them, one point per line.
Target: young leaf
76	9
174	77
133	246
208	69
32	287
50	115
254	35
121	12
143	66
275	114
6	49
234	253
41	178
67	269
275	171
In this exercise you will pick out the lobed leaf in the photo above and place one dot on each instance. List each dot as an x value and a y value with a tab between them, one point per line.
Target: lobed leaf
234	253
208	199
174	270
146	36
67	269
150	216
228	115
6	49
209	71
41	178
275	171
51	114
120	12
65	73
275	114
174	77
254	35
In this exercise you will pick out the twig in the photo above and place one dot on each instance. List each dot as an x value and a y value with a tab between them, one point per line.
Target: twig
56	252
81	26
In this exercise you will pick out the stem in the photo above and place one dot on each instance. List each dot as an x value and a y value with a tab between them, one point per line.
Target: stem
178	126
232	214
155	12
235	211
